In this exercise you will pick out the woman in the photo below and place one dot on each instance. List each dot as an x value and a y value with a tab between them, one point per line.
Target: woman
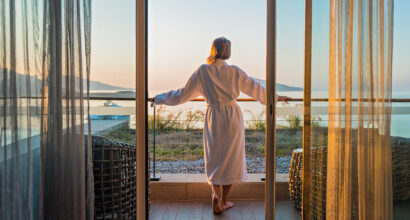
224	132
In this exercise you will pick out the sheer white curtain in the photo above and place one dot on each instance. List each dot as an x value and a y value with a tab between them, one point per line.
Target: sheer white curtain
359	162
45	159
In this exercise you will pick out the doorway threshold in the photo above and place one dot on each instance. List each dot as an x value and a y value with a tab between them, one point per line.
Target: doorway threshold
194	187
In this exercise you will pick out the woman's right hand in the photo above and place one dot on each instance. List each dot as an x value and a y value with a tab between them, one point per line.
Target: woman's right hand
152	101
285	99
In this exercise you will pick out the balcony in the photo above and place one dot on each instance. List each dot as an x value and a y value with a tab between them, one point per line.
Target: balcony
178	150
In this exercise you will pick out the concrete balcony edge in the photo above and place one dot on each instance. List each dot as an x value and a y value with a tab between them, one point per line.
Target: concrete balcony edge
194	187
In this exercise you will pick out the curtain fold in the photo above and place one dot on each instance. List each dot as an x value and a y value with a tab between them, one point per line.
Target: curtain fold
359	160
45	159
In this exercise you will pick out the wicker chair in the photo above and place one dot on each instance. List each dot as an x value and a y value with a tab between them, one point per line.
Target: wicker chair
318	175
401	170
401	177
114	179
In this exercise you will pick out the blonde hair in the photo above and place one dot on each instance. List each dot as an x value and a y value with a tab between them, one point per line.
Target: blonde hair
221	49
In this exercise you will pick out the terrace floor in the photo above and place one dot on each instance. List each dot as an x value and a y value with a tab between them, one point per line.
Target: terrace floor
249	210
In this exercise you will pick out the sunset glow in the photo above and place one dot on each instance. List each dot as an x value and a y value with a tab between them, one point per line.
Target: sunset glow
180	33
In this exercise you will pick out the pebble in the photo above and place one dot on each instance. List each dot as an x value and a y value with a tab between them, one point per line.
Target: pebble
254	165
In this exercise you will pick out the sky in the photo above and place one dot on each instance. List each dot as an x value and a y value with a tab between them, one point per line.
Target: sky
180	33
113	42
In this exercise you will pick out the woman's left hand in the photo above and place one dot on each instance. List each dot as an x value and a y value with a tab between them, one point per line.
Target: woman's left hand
285	99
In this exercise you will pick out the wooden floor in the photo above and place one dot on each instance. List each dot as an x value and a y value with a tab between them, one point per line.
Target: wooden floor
249	210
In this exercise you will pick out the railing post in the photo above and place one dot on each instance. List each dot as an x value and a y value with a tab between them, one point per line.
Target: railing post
154	177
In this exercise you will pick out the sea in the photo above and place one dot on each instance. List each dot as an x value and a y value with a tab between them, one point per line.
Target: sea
254	111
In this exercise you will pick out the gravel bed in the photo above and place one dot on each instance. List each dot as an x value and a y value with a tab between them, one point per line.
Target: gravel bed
254	165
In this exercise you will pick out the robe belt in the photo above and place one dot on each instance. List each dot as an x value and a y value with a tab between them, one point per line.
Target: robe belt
230	102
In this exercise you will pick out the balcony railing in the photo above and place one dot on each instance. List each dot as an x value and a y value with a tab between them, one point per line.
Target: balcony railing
281	110
287	139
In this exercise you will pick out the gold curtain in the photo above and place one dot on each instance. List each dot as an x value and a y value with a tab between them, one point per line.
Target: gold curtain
359	158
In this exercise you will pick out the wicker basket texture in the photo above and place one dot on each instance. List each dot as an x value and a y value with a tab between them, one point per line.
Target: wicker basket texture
114	179
401	178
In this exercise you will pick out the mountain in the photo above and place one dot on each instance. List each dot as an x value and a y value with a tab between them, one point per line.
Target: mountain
95	85
285	88
280	87
129	93
106	90
36	85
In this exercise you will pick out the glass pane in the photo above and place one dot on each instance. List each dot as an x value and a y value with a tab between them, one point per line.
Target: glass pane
400	120
112	80
319	109
180	34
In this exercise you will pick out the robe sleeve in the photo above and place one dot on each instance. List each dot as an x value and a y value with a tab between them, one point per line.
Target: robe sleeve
251	87
191	90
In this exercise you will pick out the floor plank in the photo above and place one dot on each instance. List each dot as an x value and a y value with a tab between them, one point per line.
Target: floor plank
233	213
183	213
244	211
258	209
283	212
157	211
195	211
249	210
207	213
171	211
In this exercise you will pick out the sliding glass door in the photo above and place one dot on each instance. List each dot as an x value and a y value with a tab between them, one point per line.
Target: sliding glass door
142	114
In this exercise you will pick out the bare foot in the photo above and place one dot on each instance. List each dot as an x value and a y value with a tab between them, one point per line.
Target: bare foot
216	206
227	205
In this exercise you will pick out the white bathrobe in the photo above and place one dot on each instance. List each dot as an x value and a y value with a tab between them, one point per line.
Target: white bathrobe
224	132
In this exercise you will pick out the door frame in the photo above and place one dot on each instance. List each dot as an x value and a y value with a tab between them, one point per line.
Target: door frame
307	98
141	109
270	132
142	99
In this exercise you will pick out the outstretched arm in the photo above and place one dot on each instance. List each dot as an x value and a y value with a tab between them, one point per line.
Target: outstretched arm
254	89
251	87
191	90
